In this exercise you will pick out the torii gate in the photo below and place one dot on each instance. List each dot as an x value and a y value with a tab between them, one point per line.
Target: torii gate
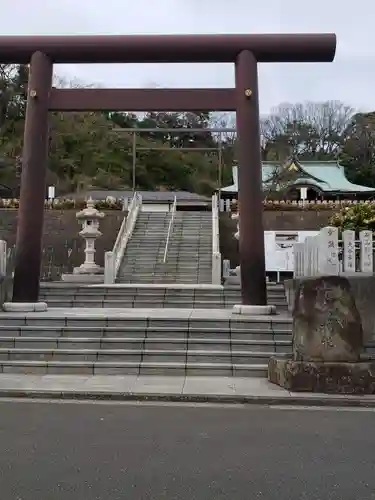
245	51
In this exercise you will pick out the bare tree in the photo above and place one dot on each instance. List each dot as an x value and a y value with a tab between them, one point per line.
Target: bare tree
62	82
310	130
278	182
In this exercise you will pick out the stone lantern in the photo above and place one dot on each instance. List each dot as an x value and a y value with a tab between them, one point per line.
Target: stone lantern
235	216
237	271
236	280
89	217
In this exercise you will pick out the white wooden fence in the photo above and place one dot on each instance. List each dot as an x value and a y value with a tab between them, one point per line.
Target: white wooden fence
324	254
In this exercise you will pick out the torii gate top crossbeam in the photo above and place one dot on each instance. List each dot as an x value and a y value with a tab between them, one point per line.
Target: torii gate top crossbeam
270	48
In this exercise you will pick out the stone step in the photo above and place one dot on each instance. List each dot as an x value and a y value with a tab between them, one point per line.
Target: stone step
166	268
136	355
151	299
156	258
141	331
126	368
125	320
163	343
117	293
177	277
163	268
63	287
170	278
155	254
140	303
158	278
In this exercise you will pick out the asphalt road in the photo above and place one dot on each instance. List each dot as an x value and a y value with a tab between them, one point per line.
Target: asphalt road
136	452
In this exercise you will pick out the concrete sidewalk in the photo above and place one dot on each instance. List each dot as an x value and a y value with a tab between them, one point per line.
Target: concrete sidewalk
178	389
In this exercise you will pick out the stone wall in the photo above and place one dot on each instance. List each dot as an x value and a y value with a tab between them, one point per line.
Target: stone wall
62	247
274	220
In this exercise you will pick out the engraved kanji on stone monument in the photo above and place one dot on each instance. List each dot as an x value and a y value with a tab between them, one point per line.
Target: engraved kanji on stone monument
298	259
366	253
348	238
328	251
308	268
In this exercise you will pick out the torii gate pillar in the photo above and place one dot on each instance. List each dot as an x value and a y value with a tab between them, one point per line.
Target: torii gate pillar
250	192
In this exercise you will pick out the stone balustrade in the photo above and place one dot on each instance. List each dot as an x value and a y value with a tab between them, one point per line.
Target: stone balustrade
113	259
216	255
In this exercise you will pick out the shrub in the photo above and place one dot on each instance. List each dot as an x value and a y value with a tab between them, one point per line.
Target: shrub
109	203
356	218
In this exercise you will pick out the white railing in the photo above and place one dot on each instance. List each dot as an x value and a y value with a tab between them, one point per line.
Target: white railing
226	205
170	228
216	256
112	259
325	254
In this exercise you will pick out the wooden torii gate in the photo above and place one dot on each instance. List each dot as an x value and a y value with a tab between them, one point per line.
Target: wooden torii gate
245	51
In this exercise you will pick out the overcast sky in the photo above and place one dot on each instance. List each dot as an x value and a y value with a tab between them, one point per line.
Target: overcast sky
351	78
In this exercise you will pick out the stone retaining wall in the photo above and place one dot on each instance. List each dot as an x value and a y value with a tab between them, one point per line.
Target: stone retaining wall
63	248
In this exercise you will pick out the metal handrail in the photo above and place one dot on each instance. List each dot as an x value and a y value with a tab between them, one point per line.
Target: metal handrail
170	226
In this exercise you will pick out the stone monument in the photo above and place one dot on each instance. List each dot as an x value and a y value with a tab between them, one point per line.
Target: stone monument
89	271
327	342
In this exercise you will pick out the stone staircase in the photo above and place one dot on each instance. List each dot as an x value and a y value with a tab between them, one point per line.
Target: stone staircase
145	248
189	249
189	257
145	328
151	296
143	342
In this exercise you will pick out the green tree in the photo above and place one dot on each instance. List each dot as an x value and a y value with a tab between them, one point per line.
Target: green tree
357	218
13	91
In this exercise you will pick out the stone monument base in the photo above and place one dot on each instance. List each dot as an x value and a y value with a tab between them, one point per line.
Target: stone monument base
323	377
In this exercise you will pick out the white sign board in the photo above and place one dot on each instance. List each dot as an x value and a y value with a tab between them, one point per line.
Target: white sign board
279	248
51	192
303	192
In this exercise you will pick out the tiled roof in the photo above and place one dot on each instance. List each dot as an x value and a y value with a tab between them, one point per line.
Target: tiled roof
326	176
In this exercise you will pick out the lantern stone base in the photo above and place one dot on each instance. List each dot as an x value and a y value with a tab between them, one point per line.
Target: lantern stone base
232	280
323	377
83	278
88	269
86	273
25	306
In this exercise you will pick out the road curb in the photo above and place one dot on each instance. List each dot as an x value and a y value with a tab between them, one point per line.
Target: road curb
313	401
